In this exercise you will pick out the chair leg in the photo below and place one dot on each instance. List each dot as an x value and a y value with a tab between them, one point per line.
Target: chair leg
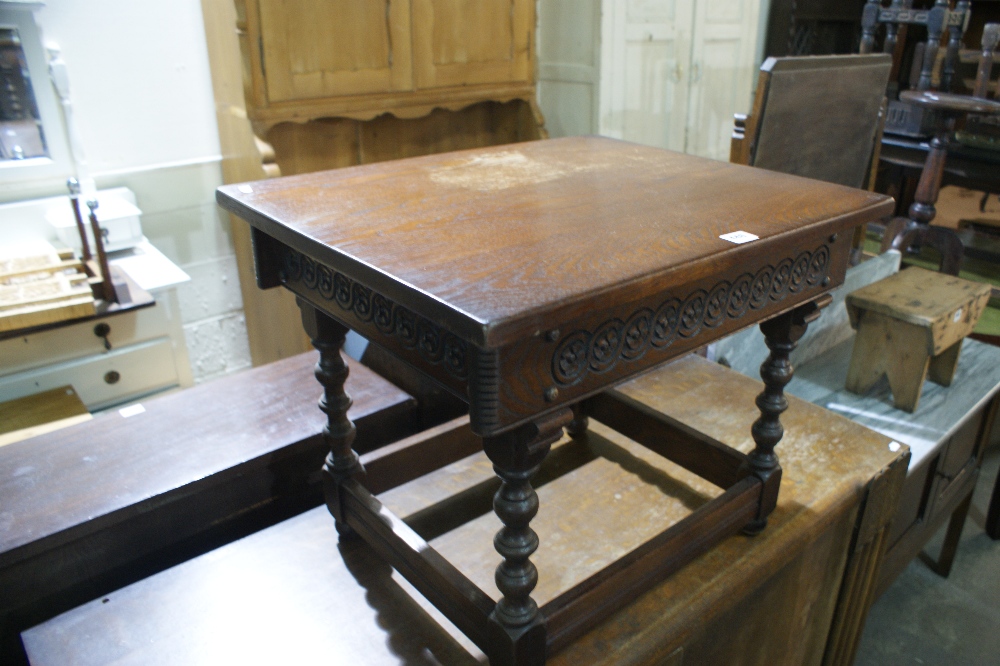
922	209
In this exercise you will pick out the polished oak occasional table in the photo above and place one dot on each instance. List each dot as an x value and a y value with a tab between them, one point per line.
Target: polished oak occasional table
529	280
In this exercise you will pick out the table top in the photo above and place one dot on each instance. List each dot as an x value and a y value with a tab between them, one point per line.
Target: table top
490	243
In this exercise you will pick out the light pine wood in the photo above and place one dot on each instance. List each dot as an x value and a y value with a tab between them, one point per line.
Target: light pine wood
946	305
41	408
463	42
897	349
910	325
330	143
308	59
326	48
272	317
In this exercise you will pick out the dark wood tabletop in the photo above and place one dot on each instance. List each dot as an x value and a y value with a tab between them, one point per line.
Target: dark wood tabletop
527	277
483	241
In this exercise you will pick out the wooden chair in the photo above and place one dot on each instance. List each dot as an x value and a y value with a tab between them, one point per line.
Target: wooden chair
816	116
947	108
899	15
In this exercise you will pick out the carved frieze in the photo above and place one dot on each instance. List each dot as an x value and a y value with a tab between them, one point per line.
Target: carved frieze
364	306
621	340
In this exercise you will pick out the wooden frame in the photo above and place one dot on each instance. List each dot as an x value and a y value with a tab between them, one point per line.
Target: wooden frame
585	605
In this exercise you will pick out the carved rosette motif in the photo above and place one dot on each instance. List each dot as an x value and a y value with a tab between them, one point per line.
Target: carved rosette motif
582	352
434	345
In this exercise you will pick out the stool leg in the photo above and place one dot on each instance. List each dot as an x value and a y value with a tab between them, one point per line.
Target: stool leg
907	363
868	356
942	368
516	629
327	336
781	335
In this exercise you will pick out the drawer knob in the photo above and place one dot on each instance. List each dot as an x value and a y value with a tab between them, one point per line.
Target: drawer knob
102	330
112	376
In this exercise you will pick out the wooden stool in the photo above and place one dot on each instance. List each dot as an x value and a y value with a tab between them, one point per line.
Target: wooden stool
527	280
908	324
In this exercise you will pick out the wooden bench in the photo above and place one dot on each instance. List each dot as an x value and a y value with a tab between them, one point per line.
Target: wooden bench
292	593
103	503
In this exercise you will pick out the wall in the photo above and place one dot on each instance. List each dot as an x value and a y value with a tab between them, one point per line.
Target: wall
143	104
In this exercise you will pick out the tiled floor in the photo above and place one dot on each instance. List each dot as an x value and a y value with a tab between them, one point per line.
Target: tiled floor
926	619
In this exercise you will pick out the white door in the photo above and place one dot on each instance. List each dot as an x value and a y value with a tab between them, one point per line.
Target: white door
646	50
723	55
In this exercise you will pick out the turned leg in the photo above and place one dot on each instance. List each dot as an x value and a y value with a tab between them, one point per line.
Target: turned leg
580	421
516	629
327	336
781	335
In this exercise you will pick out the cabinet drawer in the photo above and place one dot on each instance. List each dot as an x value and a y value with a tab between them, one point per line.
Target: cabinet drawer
78	340
961	446
105	379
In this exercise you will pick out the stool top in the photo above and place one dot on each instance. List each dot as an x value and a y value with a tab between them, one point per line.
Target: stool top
947	306
921	297
494	243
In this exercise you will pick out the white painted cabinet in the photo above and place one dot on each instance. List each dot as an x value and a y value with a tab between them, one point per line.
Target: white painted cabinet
668	73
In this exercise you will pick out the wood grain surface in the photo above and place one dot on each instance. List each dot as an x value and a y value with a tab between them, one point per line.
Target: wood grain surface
89	508
946	305
292	594
483	242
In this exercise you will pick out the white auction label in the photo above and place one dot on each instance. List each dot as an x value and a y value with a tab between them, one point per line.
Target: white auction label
132	410
245	189
958	315
739	237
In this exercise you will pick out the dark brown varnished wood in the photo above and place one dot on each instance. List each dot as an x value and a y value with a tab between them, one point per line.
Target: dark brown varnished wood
528	278
482	241
573	613
774	599
452	593
101	504
693	450
341	463
401	462
516	631
794	128
496	262
781	335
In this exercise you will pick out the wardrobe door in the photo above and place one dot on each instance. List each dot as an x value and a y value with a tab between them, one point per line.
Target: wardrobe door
470	42
315	49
